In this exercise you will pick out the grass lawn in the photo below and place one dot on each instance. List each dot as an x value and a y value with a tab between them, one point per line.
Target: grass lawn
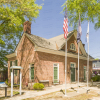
8	94
60	96
48	96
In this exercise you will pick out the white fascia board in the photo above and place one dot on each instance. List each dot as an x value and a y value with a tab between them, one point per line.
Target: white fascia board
19	42
62	53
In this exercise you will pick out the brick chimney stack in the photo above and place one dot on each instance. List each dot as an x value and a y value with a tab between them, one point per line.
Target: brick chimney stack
27	27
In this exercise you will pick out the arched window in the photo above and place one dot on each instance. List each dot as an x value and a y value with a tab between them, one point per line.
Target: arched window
72	47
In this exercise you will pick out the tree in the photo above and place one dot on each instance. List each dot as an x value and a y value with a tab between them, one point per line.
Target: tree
88	9
13	14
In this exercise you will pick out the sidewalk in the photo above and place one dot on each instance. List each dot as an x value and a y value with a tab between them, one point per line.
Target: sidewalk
30	94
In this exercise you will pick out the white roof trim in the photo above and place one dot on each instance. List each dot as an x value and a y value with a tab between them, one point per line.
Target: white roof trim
62	53
20	42
16	67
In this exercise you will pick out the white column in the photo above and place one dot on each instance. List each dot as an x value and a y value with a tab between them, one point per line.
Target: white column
12	83
78	68
20	81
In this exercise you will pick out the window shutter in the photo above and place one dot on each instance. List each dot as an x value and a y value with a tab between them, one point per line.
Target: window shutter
10	66
16	65
15	62
32	72
10	63
55	74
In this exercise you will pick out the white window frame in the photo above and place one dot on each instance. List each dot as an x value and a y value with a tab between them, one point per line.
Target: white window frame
73	46
75	70
58	72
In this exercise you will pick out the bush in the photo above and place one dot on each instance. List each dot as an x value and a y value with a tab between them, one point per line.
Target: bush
9	84
6	81
38	86
96	78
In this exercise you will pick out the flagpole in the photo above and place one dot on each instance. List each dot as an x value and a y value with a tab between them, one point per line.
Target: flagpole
65	27
78	40
88	58
78	69
65	65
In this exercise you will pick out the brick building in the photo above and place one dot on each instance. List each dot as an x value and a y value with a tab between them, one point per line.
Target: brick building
44	59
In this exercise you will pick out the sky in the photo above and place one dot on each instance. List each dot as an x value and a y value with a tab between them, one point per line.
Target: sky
50	24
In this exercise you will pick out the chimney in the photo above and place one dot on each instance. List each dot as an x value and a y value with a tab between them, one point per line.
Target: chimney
27	27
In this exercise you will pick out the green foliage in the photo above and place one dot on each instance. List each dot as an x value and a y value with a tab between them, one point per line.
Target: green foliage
96	78
9	84
88	9
6	81
38	86
97	59
13	14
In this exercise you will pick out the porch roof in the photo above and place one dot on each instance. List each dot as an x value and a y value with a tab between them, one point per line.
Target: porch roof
16	67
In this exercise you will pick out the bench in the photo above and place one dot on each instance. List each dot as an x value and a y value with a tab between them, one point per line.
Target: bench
4	86
44	81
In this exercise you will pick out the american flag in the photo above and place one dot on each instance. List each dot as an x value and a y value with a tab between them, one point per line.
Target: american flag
65	25
79	30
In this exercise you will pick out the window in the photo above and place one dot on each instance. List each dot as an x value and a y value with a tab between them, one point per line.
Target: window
72	65
13	63
72	47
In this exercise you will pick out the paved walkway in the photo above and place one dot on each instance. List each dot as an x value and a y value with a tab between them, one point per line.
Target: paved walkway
30	94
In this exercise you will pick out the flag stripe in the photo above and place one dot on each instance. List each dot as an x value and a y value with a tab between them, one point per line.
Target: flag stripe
65	25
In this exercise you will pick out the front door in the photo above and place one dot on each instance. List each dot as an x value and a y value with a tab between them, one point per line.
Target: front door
72	72
84	73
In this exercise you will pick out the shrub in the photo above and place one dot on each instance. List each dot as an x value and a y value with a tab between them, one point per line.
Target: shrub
9	84
6	81
96	78
38	86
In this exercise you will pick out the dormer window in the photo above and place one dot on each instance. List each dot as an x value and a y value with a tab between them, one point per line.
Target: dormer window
72	47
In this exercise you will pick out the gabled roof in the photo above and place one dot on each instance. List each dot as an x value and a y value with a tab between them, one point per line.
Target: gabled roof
41	42
54	44
49	43
60	40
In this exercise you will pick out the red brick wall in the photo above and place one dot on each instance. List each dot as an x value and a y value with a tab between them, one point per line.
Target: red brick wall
72	40
43	63
45	67
25	56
